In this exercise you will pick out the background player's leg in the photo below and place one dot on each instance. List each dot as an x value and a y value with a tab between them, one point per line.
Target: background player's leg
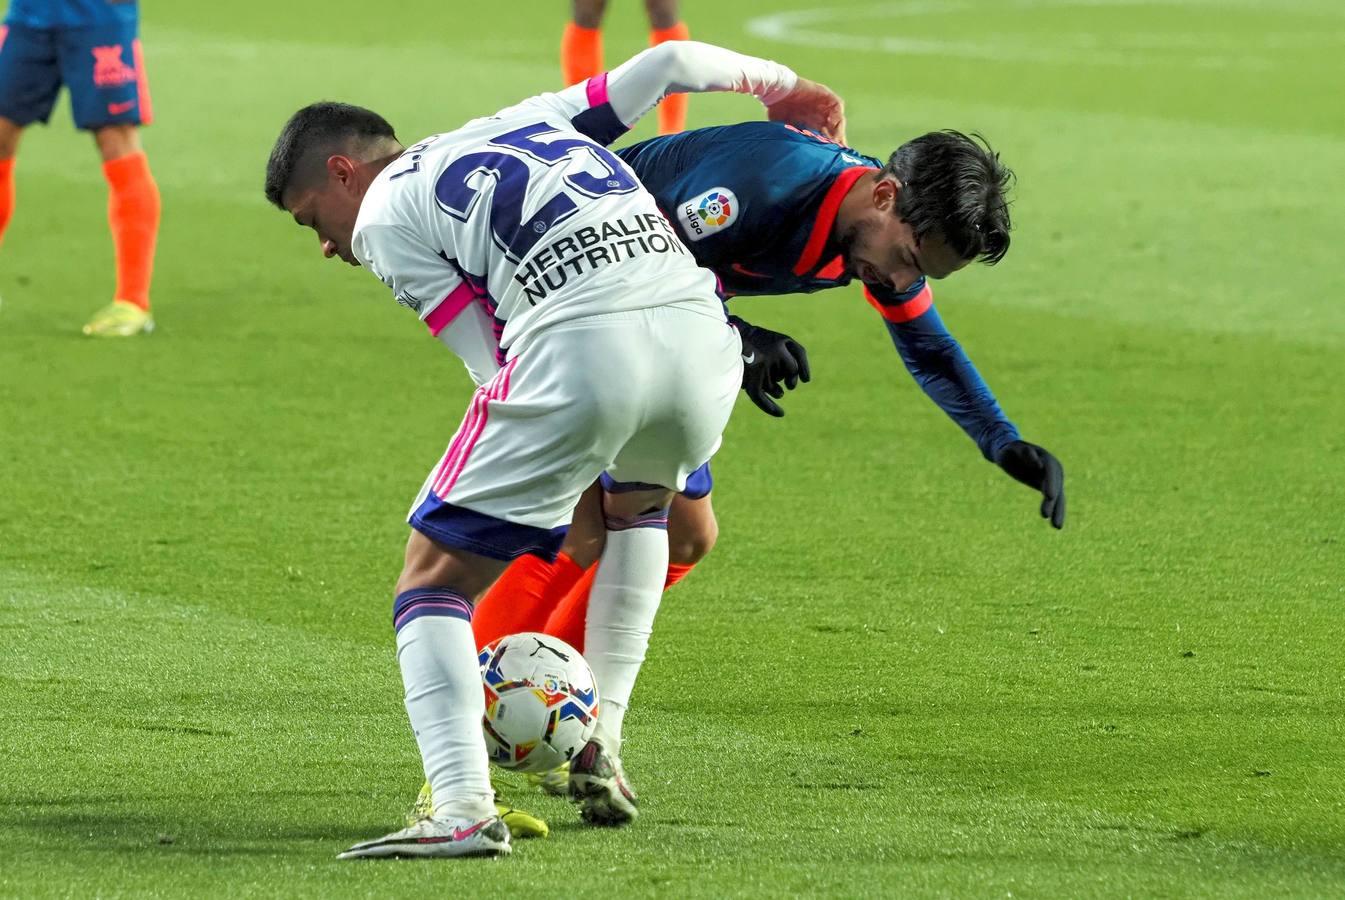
133	211
581	42
30	79
103	68
665	25
10	132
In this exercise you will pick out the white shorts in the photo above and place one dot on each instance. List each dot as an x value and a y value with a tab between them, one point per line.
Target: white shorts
642	395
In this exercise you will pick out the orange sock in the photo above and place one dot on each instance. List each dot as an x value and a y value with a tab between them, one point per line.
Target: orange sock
676	572
580	53
6	193
523	597
567	619
672	111
570	615
133	214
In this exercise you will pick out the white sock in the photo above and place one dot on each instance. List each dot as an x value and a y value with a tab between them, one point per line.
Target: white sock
621	609
437	655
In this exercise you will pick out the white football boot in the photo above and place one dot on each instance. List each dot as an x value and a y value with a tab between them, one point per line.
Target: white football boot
598	784
446	836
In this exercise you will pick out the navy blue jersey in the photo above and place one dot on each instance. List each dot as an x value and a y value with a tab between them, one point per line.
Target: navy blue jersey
71	13
757	203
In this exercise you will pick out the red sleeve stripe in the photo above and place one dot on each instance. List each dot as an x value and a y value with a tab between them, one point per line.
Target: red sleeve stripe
913	308
826	217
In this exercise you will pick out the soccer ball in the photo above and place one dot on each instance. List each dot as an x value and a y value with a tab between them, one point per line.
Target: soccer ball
541	702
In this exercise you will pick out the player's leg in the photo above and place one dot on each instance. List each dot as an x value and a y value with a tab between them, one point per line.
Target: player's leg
529	591
688	361
10	132
104	69
492	498
30	78
536	436
665	24
432	618
692	532
581	42
623	603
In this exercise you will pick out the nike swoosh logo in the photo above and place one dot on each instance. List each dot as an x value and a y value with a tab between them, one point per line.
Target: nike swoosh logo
461	834
748	360
116	109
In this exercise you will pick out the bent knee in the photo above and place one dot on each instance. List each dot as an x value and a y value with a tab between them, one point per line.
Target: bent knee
116	141
690	548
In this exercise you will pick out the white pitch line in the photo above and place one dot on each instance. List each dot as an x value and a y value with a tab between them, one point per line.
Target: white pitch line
809	27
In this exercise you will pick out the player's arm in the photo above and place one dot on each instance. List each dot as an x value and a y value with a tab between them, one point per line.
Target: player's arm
422	280
606	106
942	369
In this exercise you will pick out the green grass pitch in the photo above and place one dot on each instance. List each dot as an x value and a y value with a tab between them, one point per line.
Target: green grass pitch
890	678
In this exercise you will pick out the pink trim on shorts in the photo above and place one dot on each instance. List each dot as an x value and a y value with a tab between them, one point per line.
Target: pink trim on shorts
141	84
597	90
455	460
450	308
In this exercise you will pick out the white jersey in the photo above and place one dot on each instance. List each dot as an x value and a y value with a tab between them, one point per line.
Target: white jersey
524	219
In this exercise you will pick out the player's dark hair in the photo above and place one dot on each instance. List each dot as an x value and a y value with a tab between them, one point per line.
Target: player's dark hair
954	187
314	133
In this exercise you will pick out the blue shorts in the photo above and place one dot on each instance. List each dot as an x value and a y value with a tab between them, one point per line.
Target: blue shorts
101	65
698	487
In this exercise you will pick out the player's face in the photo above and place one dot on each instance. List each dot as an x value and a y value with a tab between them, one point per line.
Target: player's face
882	250
330	209
332	216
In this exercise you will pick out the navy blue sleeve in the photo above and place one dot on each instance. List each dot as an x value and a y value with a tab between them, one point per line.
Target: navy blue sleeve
938	364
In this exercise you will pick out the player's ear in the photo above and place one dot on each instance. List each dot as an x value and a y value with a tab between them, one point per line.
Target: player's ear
885	192
341	169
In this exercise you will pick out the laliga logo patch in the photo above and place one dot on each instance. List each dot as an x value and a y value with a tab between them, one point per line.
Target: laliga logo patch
708	213
715	209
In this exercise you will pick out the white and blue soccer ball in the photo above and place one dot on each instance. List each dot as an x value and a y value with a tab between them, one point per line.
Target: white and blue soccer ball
541	701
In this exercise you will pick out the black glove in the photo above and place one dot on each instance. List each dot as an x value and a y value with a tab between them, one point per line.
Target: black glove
1035	467
770	360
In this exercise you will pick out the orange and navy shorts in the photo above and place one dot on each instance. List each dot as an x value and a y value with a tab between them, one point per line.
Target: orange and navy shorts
101	65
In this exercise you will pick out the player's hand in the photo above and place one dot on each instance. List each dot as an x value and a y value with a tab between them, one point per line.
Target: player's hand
813	106
1035	467
772	364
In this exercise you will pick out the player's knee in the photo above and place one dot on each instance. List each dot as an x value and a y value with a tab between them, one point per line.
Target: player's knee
662	13
426	565
589	13
690	547
116	141
585	546
10	132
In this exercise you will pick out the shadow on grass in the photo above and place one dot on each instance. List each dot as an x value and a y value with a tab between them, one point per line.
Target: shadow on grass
45	827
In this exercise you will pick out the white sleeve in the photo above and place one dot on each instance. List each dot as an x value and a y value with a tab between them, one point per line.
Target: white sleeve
606	106
471	335
691	67
419	277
